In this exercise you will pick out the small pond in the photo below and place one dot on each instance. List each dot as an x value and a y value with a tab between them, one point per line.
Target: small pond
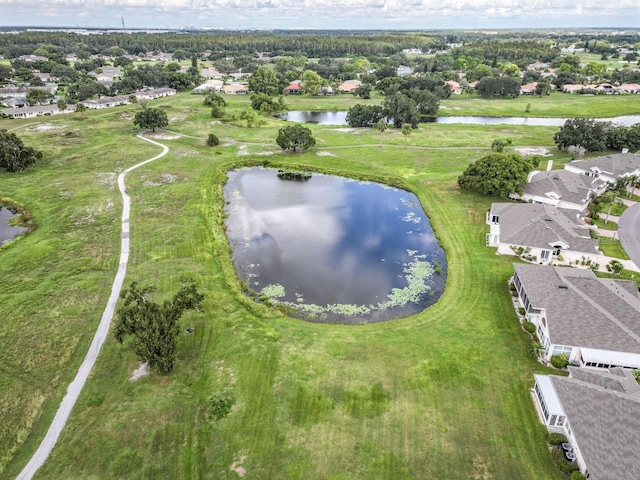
8	231
340	118
332	249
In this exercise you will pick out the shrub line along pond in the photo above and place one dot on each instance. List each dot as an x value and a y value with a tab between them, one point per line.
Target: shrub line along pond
330	249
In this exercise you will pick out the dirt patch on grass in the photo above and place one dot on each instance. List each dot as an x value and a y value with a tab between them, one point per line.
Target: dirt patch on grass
325	154
238	468
141	371
525	151
355	131
163	136
480	470
165	178
45	127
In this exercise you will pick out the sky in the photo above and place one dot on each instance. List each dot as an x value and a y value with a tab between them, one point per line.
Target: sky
321	14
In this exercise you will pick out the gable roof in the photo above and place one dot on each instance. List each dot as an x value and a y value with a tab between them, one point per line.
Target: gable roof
615	165
563	185
542	226
603	409
583	310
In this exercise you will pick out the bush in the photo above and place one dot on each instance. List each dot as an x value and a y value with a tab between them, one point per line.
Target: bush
576	475
563	465
521	311
556	439
529	327
559	361
94	402
220	405
212	140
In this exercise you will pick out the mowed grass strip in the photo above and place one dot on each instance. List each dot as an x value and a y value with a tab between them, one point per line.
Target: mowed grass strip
443	394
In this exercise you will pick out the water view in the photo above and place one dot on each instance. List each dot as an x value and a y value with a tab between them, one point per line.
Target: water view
340	118
7	231
332	249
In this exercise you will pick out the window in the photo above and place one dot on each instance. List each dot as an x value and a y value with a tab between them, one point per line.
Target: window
559	349
494	219
553	420
560	421
544	254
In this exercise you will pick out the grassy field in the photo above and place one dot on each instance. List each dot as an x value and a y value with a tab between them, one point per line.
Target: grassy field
443	394
613	248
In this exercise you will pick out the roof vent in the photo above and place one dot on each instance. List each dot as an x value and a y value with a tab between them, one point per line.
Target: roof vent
563	286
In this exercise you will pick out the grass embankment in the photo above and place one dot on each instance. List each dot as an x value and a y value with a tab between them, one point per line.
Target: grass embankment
555	105
443	394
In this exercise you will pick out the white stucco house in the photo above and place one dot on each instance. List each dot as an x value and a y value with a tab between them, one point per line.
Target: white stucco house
549	235
608	167
107	102
561	188
209	85
594	321
599	413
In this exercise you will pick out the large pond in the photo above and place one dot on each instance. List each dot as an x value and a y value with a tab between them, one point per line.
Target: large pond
340	118
8	231
332	249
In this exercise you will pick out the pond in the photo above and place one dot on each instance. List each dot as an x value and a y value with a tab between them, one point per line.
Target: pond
332	249
340	118
7	231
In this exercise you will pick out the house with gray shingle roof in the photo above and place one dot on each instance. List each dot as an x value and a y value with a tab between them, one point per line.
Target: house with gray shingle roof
561	188
594	321
599	413
549	235
608	167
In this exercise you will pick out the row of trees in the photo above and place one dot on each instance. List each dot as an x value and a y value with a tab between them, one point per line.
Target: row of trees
594	136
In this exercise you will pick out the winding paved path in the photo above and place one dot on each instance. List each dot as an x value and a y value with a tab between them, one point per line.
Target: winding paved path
75	387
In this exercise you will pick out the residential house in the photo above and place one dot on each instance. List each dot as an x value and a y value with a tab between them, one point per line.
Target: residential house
608	167
235	89
36	111
33	58
528	89
153	93
629	88
107	102
547	234
349	86
294	88
561	188
594	321
107	74
404	71
599	413
211	74
456	89
214	85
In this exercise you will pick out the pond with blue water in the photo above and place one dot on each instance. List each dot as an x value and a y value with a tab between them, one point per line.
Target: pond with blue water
8	231
332	249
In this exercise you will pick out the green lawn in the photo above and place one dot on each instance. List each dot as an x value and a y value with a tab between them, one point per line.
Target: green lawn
444	394
555	105
600	223
612	248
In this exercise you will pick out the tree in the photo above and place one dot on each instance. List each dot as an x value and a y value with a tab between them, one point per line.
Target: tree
406	131
363	91
37	96
14	156
616	266
264	80
294	137
381	126
498	144
584	132
151	118
499	87
212	140
80	108
496	174
401	109
62	105
312	82
154	326
364	115
427	102
543	88
267	104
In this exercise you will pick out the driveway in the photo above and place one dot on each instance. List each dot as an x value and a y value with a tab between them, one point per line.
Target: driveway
629	232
